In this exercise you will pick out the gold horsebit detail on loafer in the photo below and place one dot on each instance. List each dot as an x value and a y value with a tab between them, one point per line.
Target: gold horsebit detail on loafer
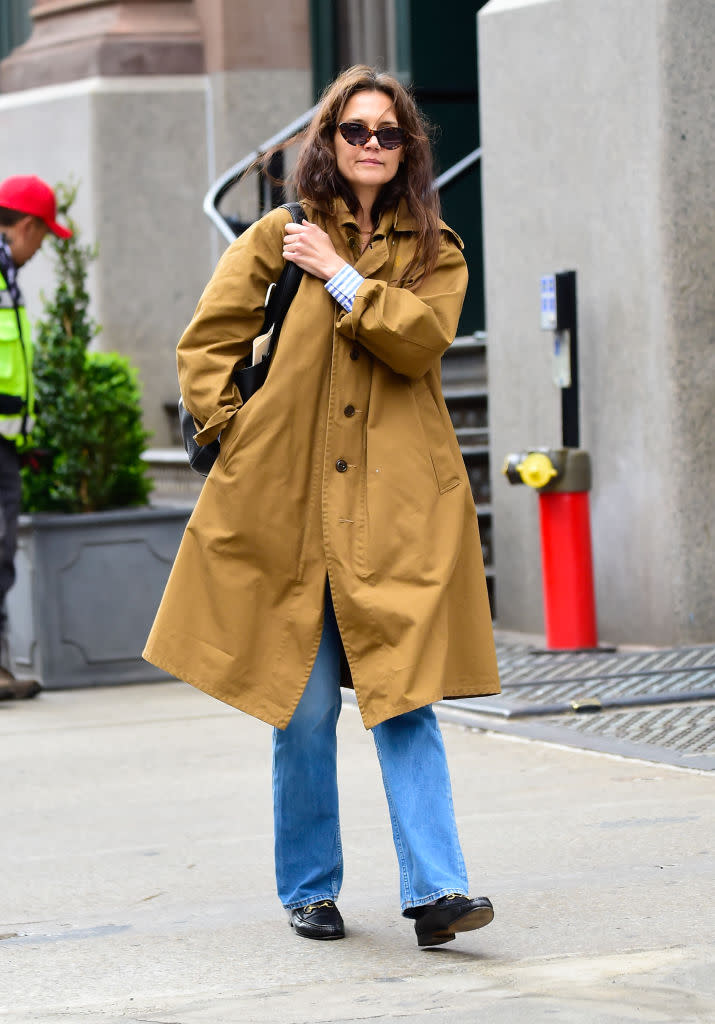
316	906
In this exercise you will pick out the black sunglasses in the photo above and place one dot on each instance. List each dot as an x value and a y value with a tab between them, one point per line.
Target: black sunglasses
356	134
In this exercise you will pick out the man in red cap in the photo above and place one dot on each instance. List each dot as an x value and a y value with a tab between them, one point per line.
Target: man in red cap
27	213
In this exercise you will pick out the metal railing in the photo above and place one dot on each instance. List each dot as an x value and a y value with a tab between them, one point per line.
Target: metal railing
227	225
269	194
458	169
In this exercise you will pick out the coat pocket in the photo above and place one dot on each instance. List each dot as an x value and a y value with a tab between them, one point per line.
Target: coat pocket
230	433
435	431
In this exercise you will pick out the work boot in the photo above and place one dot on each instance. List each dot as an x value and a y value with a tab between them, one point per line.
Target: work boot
16	689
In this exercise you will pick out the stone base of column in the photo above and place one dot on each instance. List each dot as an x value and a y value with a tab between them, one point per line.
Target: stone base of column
88	38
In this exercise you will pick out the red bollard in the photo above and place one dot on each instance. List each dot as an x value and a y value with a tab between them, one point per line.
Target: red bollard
567	571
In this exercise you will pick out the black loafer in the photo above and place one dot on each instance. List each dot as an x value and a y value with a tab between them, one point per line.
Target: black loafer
440	921
318	921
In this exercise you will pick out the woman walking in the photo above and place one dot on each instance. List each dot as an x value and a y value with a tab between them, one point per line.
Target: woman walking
335	540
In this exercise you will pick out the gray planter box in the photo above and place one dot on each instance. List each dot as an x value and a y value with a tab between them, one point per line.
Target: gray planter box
86	592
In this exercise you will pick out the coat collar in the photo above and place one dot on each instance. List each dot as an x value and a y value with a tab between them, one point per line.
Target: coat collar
399	219
392	219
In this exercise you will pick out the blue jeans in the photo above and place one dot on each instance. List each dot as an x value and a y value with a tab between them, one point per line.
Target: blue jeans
308	851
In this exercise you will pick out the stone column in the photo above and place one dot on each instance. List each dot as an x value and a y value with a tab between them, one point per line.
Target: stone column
76	39
267	34
258	67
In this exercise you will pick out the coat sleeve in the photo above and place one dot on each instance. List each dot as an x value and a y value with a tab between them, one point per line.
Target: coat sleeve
229	315
410	330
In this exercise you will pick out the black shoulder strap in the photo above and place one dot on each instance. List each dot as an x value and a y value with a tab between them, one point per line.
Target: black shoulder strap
295	210
285	289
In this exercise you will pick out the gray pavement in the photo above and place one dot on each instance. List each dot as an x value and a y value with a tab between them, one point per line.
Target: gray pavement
138	887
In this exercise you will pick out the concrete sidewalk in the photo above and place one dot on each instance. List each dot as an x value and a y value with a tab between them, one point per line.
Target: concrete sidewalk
138	885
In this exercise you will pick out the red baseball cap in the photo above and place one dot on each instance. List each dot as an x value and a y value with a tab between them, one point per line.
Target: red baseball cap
28	194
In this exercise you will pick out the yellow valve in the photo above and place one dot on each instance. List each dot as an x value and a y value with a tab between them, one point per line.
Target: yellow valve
537	469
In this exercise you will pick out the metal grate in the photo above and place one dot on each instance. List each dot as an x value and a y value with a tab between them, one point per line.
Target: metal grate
522	665
592	697
655	705
632	680
689	729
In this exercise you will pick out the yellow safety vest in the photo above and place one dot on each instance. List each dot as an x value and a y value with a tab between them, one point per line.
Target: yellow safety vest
16	390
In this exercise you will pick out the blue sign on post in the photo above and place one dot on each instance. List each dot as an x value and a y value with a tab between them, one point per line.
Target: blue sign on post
548	302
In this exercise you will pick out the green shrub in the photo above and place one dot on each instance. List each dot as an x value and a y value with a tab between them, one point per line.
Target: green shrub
89	434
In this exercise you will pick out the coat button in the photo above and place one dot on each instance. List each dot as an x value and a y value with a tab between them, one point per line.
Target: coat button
349	410
341	466
354	352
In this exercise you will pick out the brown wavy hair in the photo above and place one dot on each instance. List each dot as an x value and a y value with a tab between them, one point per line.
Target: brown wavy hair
316	177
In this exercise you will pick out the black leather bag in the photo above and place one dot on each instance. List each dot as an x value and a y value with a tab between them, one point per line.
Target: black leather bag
249	379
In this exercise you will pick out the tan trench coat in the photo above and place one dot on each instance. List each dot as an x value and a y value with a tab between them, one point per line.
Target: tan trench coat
345	463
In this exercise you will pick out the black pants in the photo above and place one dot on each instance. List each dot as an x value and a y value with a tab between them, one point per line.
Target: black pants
10	498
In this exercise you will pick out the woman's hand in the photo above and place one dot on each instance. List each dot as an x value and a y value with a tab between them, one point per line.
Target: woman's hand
310	247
